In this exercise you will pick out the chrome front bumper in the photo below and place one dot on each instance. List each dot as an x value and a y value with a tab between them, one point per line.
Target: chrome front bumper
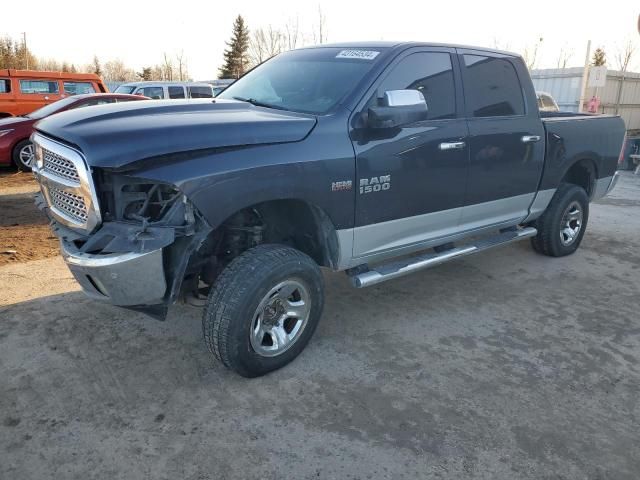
123	279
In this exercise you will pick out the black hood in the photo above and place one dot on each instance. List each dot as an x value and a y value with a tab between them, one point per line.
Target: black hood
113	136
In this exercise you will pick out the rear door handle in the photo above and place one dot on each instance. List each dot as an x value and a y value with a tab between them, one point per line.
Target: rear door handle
451	145
530	138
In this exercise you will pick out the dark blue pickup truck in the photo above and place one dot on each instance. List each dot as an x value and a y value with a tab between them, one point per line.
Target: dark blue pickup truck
377	159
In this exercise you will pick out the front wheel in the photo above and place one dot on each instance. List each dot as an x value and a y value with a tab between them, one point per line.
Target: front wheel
23	155
263	309
561	227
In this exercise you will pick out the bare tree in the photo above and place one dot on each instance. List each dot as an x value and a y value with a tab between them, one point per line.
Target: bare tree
167	68
501	45
117	71
292	33
182	66
530	54
265	43
157	72
49	64
320	33
564	55
624	54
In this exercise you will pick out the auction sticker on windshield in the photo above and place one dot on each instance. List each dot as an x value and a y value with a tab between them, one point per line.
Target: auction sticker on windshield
361	54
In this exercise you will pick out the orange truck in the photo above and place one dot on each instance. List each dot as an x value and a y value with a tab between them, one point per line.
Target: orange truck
23	91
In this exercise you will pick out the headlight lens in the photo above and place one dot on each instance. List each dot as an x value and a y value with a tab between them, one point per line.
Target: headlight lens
4	132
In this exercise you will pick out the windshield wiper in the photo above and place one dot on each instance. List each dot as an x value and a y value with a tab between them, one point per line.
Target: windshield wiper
257	103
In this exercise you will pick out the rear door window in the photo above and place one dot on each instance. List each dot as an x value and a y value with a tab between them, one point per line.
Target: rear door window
5	85
77	88
492	87
176	92
156	93
200	92
41	87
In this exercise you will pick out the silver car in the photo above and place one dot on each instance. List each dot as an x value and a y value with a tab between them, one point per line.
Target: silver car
167	90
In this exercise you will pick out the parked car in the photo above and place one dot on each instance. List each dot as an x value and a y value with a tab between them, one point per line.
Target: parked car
546	103
220	84
376	159
171	90
15	132
23	91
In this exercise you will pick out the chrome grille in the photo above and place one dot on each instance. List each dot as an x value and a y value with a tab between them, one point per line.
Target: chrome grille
68	203
59	166
66	184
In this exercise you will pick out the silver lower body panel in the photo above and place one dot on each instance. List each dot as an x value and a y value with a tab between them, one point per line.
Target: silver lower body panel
123	279
604	186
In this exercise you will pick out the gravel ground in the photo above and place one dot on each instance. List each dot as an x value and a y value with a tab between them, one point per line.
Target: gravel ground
24	230
506	365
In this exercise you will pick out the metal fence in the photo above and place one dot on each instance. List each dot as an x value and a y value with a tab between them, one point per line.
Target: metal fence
621	93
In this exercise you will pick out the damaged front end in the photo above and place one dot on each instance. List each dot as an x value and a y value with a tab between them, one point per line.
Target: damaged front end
135	250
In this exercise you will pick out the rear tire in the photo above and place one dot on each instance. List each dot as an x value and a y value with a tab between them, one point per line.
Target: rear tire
563	224
263	309
23	155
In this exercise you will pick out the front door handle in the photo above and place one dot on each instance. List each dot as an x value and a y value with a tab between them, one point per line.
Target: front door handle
530	138
451	145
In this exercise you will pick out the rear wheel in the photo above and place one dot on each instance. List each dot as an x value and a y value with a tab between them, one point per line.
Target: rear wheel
23	155
263	309
563	224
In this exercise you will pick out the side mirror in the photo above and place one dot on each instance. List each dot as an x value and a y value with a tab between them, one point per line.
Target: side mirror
399	107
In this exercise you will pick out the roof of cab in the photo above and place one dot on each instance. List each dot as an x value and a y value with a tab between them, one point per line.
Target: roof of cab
403	45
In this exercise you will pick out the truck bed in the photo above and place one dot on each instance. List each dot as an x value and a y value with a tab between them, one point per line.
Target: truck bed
572	137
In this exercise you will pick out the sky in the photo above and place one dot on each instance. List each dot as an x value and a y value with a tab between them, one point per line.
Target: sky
140	32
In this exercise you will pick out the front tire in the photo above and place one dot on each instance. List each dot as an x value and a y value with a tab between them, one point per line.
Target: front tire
263	309
563	224
23	155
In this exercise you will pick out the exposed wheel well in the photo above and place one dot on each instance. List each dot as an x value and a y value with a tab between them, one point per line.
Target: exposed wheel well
582	173
294	223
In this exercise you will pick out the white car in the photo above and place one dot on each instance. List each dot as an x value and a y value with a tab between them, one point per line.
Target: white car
164	90
546	103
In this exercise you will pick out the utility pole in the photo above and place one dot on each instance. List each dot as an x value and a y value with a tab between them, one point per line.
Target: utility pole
585	76
26	52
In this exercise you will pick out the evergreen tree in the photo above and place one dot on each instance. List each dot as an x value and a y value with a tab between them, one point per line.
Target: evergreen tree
599	58
97	69
236	58
146	74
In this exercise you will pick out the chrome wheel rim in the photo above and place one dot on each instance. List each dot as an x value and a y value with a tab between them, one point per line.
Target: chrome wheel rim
571	224
280	318
26	155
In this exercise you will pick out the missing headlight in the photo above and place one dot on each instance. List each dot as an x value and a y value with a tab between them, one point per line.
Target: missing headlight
147	201
139	200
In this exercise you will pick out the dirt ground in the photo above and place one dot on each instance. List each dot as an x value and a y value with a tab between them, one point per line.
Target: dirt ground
24	231
505	365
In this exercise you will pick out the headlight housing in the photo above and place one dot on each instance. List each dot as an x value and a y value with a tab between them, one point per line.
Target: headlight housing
130	199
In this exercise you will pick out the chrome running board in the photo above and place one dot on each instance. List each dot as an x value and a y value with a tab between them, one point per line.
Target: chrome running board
399	268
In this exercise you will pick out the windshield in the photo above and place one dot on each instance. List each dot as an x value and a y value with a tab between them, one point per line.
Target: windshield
51	108
310	81
125	89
